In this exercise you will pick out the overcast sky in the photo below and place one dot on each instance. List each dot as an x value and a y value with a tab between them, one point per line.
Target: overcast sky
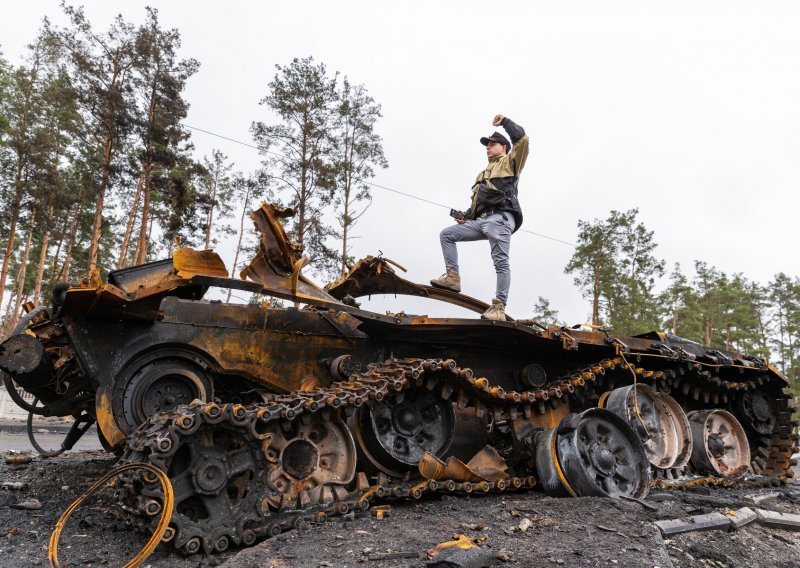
687	110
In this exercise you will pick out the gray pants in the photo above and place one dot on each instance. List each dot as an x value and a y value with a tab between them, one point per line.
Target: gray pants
494	228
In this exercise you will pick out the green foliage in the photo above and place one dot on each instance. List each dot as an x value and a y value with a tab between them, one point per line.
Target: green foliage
303	95
215	191
784	293
357	150
79	120
5	94
615	267
322	154
543	313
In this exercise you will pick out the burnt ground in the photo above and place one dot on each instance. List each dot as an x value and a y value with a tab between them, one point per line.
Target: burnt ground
563	532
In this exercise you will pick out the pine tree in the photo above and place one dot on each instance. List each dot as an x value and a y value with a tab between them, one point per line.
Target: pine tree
245	188
633	306
616	269
100	67
215	193
543	312
675	300
593	261
297	152
160	80
357	150
784	292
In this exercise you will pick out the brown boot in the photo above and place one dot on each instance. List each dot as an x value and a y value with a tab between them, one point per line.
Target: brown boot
497	311
450	280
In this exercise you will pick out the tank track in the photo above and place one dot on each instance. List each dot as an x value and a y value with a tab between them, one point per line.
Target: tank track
254	508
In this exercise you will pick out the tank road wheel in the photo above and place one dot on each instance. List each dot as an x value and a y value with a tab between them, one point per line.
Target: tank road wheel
162	385
311	460
594	453
759	411
720	444
394	434
657	419
215	471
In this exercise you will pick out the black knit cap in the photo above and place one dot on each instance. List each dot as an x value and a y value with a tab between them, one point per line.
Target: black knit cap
496	137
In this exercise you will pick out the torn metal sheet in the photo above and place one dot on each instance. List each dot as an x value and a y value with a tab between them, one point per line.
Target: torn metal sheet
376	275
486	465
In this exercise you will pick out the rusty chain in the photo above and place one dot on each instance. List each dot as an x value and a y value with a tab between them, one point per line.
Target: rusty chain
158	440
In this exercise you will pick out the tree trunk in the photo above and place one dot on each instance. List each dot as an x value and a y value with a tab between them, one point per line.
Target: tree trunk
141	246
64	275
126	239
42	257
344	231
596	293
12	228
23	269
727	333
6	316
348	184
239	242
210	216
101	193
301	222
145	176
63	236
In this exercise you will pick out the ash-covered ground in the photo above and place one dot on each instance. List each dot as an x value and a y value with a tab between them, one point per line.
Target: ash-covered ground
558	532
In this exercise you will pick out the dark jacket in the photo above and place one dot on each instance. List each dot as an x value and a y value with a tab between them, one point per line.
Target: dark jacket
496	187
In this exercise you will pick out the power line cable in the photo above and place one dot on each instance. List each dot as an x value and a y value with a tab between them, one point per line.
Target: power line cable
412	196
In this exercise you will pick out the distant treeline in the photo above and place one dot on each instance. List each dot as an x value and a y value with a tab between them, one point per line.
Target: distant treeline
98	171
616	268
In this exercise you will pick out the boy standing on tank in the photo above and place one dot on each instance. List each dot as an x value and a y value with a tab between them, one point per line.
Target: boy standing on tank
494	213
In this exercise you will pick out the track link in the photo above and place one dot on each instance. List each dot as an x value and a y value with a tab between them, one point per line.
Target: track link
253	507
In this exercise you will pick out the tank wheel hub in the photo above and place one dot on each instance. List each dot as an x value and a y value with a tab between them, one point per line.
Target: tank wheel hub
716	445
603	460
300	458
394	434
657	419
166	394
211	476
161	385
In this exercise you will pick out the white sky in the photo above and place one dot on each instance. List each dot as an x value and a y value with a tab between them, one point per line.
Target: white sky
687	110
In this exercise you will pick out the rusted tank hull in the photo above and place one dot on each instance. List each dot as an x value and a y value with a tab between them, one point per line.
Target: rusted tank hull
266	417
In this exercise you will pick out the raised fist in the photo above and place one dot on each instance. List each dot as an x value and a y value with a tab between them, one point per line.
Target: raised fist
498	118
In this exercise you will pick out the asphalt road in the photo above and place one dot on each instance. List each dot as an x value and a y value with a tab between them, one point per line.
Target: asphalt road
15	437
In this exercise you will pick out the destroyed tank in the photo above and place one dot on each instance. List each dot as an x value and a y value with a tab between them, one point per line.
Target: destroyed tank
266	418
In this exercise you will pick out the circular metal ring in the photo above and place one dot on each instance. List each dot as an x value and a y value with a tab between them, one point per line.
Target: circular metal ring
658	421
394	434
594	453
720	443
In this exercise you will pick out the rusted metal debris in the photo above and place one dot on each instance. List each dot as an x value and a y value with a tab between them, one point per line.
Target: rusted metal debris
281	417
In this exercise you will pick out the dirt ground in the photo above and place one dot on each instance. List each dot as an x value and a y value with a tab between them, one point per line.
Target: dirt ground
562	532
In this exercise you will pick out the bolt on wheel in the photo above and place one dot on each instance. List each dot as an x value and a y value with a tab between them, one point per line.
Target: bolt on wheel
657	419
720	444
311	460
594	453
758	411
394	434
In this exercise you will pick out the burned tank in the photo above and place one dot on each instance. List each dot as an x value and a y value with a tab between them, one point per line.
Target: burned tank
266	417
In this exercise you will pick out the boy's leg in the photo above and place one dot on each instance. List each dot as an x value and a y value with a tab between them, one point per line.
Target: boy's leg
498	229
469	230
466	231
